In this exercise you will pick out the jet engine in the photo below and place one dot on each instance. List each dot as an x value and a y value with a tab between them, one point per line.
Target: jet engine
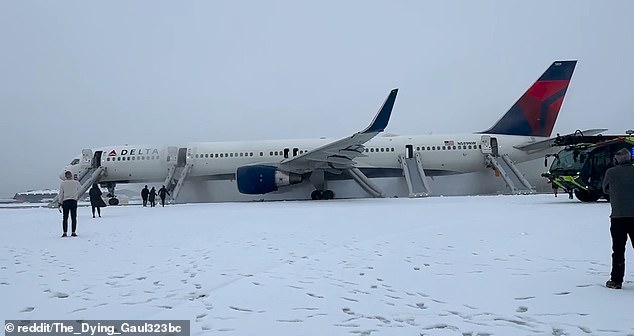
262	179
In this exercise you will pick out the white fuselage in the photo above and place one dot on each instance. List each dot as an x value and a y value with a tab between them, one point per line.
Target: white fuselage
441	155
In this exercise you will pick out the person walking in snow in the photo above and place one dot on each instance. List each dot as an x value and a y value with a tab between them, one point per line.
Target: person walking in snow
145	192
96	202
162	193
152	197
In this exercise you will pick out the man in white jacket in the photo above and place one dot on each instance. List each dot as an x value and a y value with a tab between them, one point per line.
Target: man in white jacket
67	196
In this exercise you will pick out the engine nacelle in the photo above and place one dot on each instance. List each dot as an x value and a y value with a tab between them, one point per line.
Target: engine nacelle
262	179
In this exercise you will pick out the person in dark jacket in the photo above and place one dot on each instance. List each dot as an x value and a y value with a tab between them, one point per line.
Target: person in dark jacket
96	202
618	184
152	197
162	193
145	192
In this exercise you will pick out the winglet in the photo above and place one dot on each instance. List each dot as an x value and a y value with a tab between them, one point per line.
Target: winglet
383	116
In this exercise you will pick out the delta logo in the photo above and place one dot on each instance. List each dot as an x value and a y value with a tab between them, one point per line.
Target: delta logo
134	151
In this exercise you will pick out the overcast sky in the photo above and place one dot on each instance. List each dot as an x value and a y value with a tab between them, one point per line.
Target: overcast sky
82	74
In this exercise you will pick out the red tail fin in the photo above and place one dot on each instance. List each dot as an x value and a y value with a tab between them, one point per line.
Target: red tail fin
535	113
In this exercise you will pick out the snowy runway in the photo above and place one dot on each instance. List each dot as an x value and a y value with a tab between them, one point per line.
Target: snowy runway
502	265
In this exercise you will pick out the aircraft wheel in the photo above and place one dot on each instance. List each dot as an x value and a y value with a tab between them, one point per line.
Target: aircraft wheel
316	195
328	194
113	201
587	196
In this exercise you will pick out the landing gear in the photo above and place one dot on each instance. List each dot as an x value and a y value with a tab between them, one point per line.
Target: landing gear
113	199
322	195
327	194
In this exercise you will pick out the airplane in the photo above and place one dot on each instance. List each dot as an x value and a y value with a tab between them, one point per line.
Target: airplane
261	167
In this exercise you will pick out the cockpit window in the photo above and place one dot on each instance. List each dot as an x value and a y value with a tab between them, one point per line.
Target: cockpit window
74	162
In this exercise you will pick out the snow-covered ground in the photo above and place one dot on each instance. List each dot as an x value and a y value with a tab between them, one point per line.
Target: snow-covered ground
487	265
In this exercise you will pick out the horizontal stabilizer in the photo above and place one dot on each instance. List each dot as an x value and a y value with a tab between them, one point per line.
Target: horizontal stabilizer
545	144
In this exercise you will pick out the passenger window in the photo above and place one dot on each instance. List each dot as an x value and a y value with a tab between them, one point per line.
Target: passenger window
443	147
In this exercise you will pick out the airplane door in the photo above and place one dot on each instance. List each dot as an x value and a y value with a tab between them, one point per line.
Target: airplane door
485	144
96	159
181	161
172	154
409	151
295	151
286	150
494	147
86	158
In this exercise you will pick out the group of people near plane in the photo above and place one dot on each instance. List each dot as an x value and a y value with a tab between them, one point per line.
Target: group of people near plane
69	194
150	195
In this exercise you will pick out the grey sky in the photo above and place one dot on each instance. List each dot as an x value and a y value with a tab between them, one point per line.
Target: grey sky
81	74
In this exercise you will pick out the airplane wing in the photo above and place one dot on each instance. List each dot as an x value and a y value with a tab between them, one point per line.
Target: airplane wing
548	143
340	154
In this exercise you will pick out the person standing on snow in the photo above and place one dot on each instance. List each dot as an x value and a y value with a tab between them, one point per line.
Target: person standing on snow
67	198
618	184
